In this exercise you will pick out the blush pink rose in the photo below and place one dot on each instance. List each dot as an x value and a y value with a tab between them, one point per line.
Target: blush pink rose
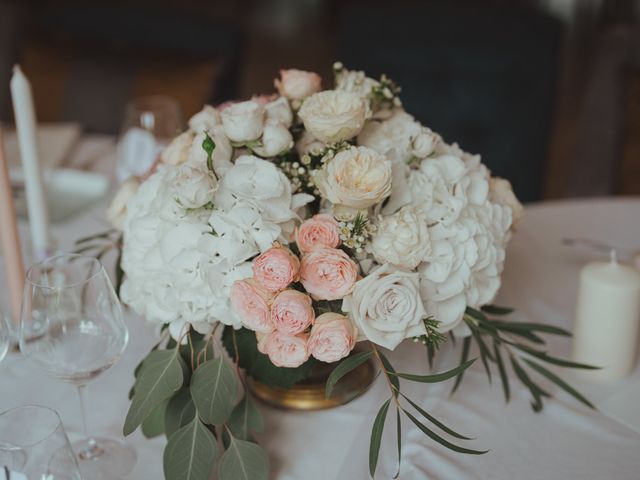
333	336
276	268
319	231
284	350
297	84
291	312
328	273
251	303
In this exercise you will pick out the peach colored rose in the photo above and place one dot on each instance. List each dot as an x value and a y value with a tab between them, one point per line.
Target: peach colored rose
319	231
291	312
297	84
250	302
276	268
284	350
333	336
328	273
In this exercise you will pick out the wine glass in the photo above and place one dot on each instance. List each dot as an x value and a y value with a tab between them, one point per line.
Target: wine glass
72	328
34	445
149	125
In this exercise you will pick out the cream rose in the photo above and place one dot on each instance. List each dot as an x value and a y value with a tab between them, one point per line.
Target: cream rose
276	139
332	115
424	143
297	84
291	312
117	211
205	120
250	302
332	337
357	177
500	192
386	306
401	239
328	273
244	121
191	186
177	152
279	111
284	350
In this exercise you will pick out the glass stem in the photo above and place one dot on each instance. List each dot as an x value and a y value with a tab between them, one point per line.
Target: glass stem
91	450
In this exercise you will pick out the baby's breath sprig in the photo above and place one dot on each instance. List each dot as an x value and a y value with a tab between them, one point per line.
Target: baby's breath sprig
355	233
385	94
433	336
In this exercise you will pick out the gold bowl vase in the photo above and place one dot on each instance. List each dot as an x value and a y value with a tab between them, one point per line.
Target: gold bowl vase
309	394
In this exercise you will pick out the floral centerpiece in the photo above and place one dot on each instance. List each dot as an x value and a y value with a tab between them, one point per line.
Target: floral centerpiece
292	226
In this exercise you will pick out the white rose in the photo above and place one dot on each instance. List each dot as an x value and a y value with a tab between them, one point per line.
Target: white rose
355	81
332	115
307	143
205	120
357	177
297	84
276	139
386	306
392	137
117	211
191	186
222	151
279	111
243	122
401	239
501	192
424	143
177	151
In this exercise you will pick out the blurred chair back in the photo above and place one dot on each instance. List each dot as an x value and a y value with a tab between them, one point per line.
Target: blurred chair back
481	75
87	62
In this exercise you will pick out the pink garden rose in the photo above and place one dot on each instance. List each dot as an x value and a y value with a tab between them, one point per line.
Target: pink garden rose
276	268
297	84
284	350
319	231
333	336
250	301
328	273
291	312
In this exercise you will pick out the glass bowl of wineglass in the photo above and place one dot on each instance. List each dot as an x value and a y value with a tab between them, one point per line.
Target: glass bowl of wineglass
72	328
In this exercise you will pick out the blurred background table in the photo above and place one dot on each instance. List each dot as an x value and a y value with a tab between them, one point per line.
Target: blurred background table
566	441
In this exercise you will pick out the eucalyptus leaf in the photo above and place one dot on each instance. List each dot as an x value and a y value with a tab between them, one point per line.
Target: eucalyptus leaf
503	372
533	327
153	425
399	440
161	375
214	389
466	345
436	377
243	461
190	453
376	437
434	436
245	418
496	310
180	411
536	392
390	373
558	381
435	421
556	361
484	351
345	367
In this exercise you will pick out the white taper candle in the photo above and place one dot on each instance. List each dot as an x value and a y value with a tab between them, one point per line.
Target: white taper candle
25	118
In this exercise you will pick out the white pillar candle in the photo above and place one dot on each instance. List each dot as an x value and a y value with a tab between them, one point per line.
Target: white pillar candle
25	118
607	317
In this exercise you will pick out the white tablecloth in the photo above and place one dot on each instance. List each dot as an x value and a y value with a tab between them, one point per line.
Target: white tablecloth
567	440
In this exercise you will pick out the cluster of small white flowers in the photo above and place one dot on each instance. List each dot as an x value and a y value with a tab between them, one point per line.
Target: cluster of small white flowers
356	232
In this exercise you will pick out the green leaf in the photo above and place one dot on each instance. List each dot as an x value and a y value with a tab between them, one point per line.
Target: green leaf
390	373
434	436
208	145
245	418
496	310
503	373
484	350
214	390
153	425
436	422
534	327
258	365
431	352
536	392
466	344
559	382
526	334
399	437
437	377
553	360
477	314
119	274
180	411
190	453
161	375
376	437
348	364
243	461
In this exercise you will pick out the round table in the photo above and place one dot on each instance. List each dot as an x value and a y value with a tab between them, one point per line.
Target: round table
566	440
